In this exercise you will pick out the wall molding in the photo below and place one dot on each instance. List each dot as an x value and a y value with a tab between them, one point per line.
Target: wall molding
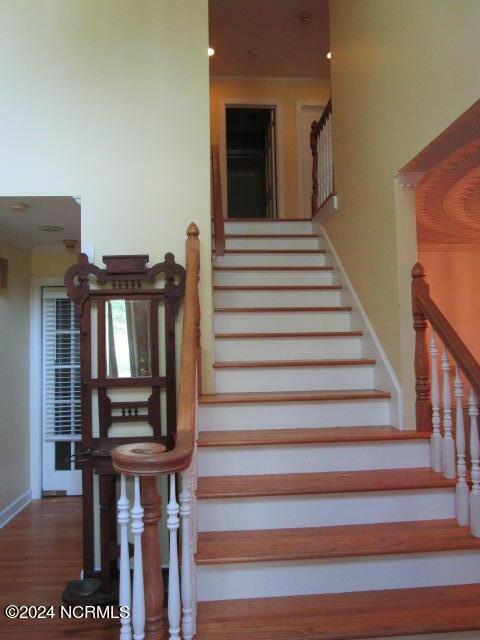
11	510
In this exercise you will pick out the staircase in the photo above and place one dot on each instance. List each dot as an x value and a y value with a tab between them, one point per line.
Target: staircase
317	519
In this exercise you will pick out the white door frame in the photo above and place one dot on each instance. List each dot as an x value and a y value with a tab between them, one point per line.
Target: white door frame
36	443
300	151
279	143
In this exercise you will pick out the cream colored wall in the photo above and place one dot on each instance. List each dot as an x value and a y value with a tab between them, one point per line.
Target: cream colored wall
446	267
49	265
111	105
284	91
14	377
401	73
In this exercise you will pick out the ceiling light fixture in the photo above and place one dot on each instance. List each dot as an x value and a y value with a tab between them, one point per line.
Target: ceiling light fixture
211	52
18	207
51	228
329	55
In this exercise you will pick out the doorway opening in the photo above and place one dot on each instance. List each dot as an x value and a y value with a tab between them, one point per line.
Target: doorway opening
251	161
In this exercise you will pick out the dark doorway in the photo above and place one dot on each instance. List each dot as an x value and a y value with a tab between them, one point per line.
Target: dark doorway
251	162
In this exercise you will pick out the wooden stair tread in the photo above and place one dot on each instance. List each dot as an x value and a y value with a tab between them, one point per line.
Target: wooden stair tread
270	268
275	251
271	235
343	616
273	364
280	309
320	483
299	436
290	287
304	334
344	541
292	396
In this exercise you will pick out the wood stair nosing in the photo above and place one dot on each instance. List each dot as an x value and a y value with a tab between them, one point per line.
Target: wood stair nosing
252	236
292	396
280	364
339	541
291	287
304	334
281	309
273	268
343	616
329	482
302	436
276	251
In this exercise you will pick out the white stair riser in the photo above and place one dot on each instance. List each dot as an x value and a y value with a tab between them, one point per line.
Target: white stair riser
269	227
311	458
325	510
280	298
245	349
274	243
281	321
342	413
338	575
294	379
272	260
272	278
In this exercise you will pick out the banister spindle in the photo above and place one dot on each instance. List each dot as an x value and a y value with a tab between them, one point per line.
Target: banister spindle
187	573
448	443
174	607
462	493
475	456
436	438
138	599
124	594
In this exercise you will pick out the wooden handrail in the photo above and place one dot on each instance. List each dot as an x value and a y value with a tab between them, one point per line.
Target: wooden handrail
316	129
425	310
149	459
218	221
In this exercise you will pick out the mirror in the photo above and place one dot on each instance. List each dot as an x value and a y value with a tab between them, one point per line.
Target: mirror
127	348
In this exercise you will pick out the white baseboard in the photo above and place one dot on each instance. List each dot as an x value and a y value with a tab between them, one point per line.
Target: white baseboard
15	507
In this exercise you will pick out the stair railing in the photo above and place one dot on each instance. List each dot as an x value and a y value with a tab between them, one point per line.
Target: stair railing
434	399
323	184
217	203
142	464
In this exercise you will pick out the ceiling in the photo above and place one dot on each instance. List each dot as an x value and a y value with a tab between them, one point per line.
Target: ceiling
448	196
22	229
267	38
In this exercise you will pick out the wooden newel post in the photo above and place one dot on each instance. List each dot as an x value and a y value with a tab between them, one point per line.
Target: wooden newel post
314	148
152	569
423	404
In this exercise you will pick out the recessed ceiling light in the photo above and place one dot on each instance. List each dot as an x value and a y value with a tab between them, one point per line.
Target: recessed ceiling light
211	52
48	228
18	207
329	55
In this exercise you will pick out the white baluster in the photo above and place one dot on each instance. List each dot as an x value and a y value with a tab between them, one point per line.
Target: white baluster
124	595
462	492
475	455
187	586
174	608
448	442
436	439
138	600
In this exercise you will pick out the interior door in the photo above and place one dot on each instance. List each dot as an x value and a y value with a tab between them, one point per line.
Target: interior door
308	114
61	417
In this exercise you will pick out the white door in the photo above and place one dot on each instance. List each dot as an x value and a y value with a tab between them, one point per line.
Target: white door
306	115
61	419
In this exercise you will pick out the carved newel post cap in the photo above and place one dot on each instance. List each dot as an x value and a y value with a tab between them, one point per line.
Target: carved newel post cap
192	230
418	271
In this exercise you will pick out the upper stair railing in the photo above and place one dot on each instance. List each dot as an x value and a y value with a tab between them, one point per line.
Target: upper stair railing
142	464
434	407
323	185
217	204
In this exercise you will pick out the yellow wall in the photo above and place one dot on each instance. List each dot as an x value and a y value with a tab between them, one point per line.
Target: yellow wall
48	265
14	377
111	105
401	73
284	91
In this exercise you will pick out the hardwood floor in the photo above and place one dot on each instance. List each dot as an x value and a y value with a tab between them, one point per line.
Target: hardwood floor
40	550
